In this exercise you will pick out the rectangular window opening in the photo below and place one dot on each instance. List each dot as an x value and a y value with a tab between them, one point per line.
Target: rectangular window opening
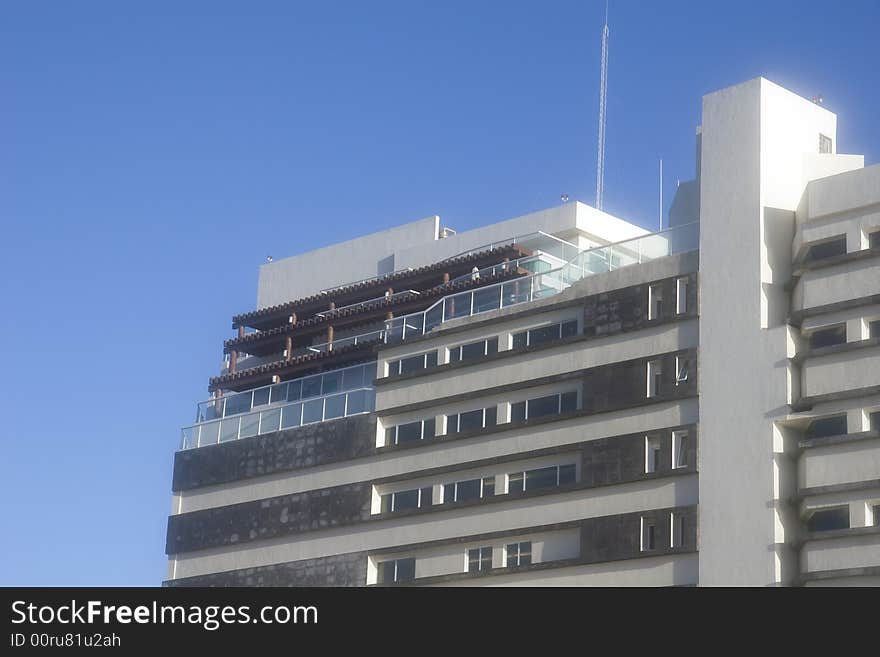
676	530
681	292
654	374
682	370
649	535
824	520
655	301
827	426
679	449
519	554
479	559
828	337
827	249
652	453
398	570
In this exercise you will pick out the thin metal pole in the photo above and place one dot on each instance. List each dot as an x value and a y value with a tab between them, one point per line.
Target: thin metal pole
661	194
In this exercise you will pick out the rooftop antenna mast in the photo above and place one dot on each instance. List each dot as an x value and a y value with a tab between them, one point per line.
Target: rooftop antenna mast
603	86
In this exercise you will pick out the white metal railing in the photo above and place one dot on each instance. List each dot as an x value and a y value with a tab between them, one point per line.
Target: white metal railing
277	417
533	263
364	280
389	297
314	385
538	240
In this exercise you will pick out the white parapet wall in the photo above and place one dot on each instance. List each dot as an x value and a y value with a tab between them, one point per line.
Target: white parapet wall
419	243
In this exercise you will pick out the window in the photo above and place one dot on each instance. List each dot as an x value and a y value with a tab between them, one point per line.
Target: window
649	535
676	530
410	432
655	373
471	420
407	499
824	144
828	337
472	489
827	426
829	519
874	420
398	570
479	559
652	453
473	350
551	477
679	449
827	249
412	363
877	515
681	292
874	240
545	334
565	402
655	301
874	329
682	370
518	554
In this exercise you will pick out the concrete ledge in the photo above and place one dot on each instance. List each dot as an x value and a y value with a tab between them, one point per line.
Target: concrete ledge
838	488
807	403
836	349
797	317
818	575
850	532
842	259
828	441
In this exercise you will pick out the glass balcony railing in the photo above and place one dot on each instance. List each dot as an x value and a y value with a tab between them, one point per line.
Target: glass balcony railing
537	241
279	416
315	385
535	264
541	284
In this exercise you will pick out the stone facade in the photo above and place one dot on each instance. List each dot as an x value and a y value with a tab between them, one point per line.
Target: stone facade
268	518
271	453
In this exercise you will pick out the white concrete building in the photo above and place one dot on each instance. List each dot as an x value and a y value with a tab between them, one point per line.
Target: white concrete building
564	398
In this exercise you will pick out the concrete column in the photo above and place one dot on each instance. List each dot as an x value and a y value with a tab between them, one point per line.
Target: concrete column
241	331
288	347
233	360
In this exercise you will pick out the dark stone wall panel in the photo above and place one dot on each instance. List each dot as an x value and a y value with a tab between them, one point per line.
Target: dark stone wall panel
339	570
621	459
626	309
622	385
269	518
282	451
614	538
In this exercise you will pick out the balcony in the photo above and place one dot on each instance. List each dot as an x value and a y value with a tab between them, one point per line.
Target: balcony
308	400
543	281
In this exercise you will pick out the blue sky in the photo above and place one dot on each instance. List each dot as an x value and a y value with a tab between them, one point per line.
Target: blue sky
153	154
